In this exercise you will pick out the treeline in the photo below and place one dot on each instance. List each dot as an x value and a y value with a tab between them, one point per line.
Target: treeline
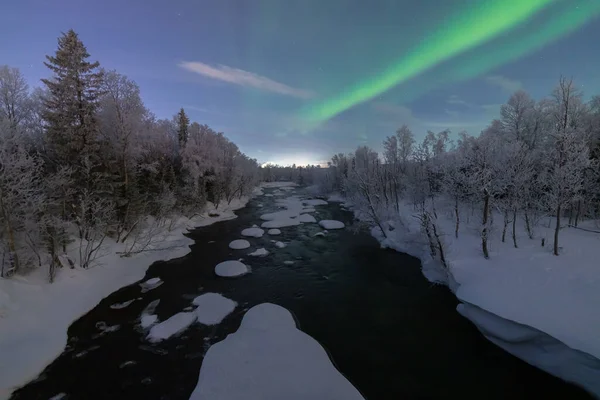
277	173
539	159
82	157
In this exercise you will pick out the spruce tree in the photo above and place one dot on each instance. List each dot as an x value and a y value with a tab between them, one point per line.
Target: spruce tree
183	123
71	105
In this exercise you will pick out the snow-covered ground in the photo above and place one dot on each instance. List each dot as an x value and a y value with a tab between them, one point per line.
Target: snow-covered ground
268	358
35	315
524	287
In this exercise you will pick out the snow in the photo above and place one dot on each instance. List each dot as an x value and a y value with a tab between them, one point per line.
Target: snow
119	306
280	245
239	244
231	268
268	358
213	308
280	185
259	253
555	295
150	284
147	320
331	224
172	326
306	218
336	198
281	223
35	315
315	202
274	232
253	232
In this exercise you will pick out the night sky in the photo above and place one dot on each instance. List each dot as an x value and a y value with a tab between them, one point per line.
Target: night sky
292	81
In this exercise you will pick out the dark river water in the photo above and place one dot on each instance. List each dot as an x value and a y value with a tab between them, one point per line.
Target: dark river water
386	328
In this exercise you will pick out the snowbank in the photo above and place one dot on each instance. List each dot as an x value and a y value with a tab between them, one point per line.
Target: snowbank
35	315
268	358
231	268
525	286
213	308
253	232
331	224
259	253
172	326
274	232
239	244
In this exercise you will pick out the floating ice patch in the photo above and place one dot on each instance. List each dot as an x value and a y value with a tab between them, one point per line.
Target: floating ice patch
102	327
59	396
268	358
253	232
127	364
274	232
119	306
288	262
147	320
259	253
172	326
306	218
319	234
150	284
281	223
213	308
315	202
331	224
308	210
280	245
239	244
268	195
231	268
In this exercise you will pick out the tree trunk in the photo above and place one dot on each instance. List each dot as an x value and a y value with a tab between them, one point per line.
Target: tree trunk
457	217
12	247
514	228
506	222
528	225
556	230
484	231
578	212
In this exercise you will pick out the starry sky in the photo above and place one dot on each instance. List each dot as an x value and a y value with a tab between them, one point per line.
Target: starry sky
293	81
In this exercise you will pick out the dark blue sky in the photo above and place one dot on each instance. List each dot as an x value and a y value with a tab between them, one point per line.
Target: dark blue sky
248	68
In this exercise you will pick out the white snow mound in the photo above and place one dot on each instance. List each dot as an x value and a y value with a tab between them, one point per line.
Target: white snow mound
274	232
281	223
231	268
331	224
253	232
239	244
280	245
306	218
213	308
259	253
172	326
268	358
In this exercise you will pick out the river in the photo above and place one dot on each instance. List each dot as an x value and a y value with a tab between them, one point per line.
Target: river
387	329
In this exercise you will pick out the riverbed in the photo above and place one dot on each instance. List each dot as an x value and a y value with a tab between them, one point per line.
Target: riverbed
389	331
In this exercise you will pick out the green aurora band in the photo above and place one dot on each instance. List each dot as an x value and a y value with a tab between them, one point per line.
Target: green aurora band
465	31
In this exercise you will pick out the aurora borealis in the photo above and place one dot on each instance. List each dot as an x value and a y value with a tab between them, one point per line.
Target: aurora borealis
296	80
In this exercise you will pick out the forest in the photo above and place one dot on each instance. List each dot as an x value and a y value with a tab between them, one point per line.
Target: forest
82	160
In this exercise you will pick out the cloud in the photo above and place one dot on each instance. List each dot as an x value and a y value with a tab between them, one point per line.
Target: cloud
244	78
506	84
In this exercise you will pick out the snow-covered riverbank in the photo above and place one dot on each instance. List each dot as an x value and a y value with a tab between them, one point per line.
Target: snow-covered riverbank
35	315
555	298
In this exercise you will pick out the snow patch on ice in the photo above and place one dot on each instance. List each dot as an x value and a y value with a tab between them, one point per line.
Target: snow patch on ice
253	232
281	223
274	232
119	306
268	358
306	218
239	244
147	320
331	224
231	268
280	245
213	308
172	326
259	253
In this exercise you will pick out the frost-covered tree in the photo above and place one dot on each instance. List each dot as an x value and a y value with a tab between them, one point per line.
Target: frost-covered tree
14	96
183	123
